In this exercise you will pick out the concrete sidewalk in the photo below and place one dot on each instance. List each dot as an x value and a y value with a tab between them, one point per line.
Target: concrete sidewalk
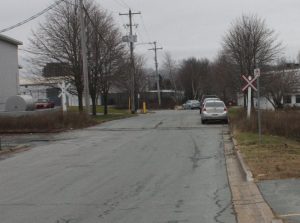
248	202
284	197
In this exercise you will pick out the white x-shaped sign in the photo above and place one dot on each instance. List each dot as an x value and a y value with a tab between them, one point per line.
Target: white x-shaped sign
64	88
249	82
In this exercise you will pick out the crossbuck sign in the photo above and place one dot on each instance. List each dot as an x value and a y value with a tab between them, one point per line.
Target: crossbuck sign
249	85
249	82
63	94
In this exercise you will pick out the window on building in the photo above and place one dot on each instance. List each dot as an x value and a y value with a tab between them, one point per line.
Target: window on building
287	99
298	99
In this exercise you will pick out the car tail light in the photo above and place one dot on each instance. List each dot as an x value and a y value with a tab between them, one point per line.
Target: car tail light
225	109
204	109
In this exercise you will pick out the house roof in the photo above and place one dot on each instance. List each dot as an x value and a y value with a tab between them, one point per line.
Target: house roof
10	40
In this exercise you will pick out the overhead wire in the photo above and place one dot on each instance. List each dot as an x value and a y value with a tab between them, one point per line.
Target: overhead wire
120	4
32	17
93	24
144	26
137	29
124	3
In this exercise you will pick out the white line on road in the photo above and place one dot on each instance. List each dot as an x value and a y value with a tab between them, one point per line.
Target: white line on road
290	215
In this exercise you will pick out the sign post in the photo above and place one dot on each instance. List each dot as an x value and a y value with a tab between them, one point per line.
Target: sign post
63	94
249	99
249	85
257	75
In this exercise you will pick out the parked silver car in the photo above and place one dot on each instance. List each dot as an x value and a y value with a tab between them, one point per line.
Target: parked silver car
191	104
205	100
214	110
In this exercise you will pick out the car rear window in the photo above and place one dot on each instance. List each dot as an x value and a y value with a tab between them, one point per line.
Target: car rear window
214	104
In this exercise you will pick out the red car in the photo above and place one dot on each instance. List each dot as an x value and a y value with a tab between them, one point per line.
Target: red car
44	103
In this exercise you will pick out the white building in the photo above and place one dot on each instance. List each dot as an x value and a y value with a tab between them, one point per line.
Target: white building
41	88
290	99
9	69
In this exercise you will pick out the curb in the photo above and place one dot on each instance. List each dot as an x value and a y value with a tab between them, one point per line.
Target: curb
248	174
245	168
13	149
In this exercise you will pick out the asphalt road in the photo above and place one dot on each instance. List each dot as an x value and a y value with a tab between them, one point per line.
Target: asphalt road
157	168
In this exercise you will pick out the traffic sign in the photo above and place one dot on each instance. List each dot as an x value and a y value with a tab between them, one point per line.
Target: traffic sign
129	38
256	72
249	82
63	94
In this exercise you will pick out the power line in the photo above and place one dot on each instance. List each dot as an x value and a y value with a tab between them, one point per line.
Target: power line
144	26
32	17
137	29
120	3
93	24
128	6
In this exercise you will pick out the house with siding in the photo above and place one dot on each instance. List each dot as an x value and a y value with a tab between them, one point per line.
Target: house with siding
9	69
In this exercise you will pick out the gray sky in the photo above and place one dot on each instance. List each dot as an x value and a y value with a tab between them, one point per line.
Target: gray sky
183	28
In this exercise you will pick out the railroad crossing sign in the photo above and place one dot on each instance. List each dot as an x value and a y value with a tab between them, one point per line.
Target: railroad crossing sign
63	94
249	82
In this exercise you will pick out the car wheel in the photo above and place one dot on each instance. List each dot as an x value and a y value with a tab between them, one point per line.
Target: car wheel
203	121
226	121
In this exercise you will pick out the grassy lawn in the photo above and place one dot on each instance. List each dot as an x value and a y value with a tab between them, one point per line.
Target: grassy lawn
112	116
275	158
113	113
278	155
100	109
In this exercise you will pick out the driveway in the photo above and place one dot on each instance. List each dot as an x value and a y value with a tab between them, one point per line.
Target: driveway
284	197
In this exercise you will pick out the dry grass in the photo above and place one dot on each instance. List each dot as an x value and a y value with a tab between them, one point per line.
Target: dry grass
48	122
278	155
281	123
56	121
275	158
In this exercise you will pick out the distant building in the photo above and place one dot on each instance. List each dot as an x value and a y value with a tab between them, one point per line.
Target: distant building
40	88
9	69
290	99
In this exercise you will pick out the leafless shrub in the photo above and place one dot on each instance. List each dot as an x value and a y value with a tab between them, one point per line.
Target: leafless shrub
282	123
45	122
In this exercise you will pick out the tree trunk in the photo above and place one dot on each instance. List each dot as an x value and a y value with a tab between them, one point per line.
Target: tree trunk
94	106
80	105
105	99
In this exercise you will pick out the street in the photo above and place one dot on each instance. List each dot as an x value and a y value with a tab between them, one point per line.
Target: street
164	167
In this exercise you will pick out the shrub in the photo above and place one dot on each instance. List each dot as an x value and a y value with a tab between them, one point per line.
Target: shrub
282	123
47	122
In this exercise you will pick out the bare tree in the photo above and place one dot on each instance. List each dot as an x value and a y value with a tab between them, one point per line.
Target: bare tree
57	40
193	75
250	43
170	68
224	78
105	53
123	75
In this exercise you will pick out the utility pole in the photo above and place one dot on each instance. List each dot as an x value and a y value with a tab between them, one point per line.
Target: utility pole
131	39
156	71
84	59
